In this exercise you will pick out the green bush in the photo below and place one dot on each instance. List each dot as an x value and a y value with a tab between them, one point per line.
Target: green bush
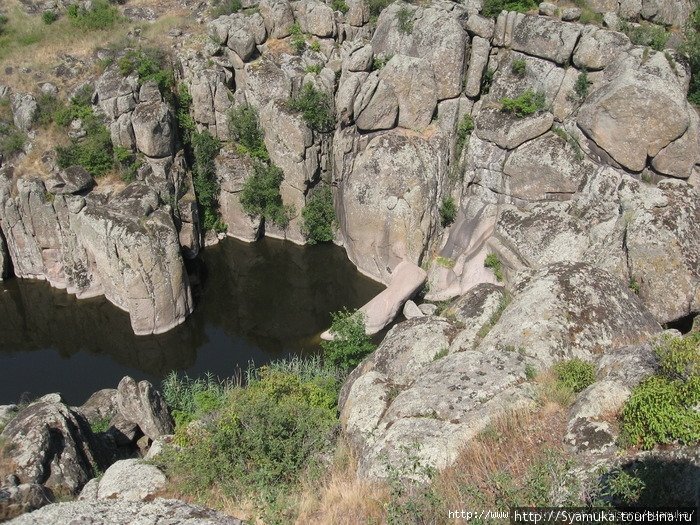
226	7
350	344
185	123
189	398
404	18
519	67
377	6
12	140
245	129
94	151
492	8
494	263
261	196
127	162
100	426
651	35
47	108
448	211
49	17
464	131
340	5
3	23
526	104
150	64
314	68
661	409
298	40
266	434
378	62
205	148
691	51
582	84
575	374
318	217
102	15
315	108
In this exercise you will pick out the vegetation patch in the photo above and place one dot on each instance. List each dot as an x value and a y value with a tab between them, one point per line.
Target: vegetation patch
448	211
376	7
404	19
494	264
528	103
244	127
690	49
315	107
493	8
575	374
582	84
298	39
464	131
350	344
340	5
12	140
261	196
646	34
205	148
100	16
519	67
318	217
662	408
226	7
150	64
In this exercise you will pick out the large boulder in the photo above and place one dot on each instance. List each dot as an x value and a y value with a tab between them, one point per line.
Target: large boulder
49	444
70	181
232	171
413	83
124	512
638	110
129	479
24	108
154	129
16	499
142	404
387	200
544	37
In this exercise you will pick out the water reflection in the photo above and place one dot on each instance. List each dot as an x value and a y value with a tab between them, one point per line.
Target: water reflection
254	302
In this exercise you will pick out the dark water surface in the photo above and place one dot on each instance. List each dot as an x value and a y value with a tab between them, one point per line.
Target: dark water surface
256	302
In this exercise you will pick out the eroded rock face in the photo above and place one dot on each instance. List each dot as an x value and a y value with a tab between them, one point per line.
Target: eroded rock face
121	512
128	479
438	383
49	444
17	499
142	404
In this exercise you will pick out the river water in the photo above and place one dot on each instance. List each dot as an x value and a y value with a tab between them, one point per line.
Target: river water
254	302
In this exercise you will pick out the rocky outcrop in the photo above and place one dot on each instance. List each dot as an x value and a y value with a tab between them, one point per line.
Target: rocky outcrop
16	498
128	479
438	382
121	512
143	405
49	444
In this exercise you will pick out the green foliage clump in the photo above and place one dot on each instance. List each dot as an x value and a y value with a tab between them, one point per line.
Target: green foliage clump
661	409
314	68
378	62
494	263
492	8
47	108
189	399
101	15
350	344
404	19
340	5
526	104
575	374
318	217
244	126
3	23
315	108
205	148
298	39
691	51
448	211
226	7
185	123
518	67
150	64
261	196
12	140
100	425
464	131
127	163
376	7
49	17
651	35
264	436
582	84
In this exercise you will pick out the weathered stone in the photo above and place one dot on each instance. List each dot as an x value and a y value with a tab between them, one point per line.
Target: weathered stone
120	512
411	310
412	80
547	9
100	406
232	170
509	131
154	129
360	59
131	480
639	110
477	64
545	38
142	404
18	499
47	443
376	106
70	181
597	48
24	107
678	158
545	168
278	16
315	18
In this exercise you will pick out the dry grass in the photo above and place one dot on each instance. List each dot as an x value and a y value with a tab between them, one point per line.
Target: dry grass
339	497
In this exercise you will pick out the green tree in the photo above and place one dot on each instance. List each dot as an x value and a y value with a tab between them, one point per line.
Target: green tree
318	216
350	344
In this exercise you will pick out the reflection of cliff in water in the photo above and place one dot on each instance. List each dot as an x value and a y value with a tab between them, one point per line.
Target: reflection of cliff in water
254	302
